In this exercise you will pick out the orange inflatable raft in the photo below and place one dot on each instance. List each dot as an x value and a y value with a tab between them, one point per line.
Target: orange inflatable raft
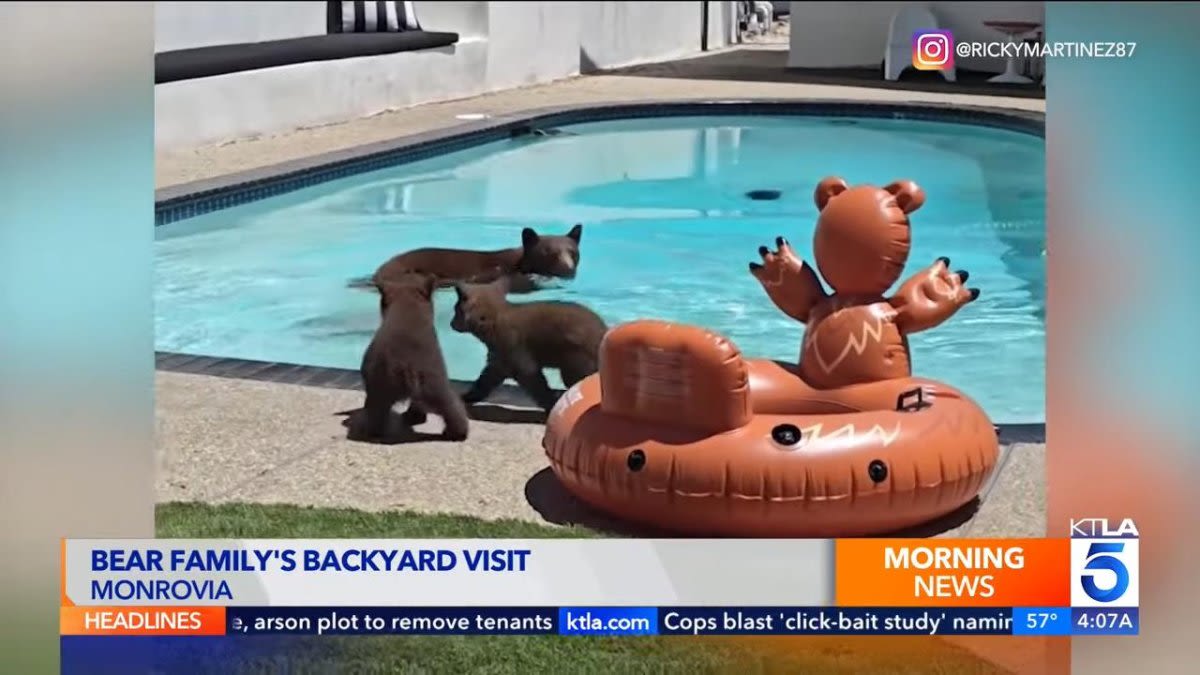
679	432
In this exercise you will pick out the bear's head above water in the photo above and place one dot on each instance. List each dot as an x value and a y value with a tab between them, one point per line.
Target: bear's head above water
862	239
550	255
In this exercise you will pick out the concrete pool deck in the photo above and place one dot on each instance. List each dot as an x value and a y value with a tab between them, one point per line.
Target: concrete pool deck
230	440
222	440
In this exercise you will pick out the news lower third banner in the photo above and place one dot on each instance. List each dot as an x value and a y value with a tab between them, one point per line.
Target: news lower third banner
606	587
447	572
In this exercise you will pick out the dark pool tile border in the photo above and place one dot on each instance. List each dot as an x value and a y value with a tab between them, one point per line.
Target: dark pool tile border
350	380
188	200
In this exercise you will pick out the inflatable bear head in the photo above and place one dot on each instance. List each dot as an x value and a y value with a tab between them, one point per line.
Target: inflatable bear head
862	238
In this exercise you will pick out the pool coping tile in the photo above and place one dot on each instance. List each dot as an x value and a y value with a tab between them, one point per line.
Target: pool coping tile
187	200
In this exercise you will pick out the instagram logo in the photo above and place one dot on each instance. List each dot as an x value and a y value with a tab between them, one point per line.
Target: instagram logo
933	50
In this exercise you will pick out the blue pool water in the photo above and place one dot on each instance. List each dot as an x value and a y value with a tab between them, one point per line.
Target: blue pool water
668	232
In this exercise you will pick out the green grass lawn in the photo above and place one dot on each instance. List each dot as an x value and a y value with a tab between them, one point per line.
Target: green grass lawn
537	654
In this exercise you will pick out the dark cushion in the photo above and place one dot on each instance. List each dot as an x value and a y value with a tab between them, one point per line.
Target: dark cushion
186	64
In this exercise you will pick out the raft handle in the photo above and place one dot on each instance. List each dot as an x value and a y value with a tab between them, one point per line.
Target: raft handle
636	460
902	404
786	434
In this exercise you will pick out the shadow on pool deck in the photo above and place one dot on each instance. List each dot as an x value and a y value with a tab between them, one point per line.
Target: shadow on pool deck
759	64
399	434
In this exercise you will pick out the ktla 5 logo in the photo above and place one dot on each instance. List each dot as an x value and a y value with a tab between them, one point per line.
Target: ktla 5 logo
1104	563
933	50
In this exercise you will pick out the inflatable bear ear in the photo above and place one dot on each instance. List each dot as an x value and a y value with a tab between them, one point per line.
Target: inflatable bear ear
827	189
909	196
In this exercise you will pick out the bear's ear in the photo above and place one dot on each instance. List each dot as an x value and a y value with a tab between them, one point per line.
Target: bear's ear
909	196
529	238
576	232
828	189
461	289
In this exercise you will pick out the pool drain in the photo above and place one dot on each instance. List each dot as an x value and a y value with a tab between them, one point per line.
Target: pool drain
764	195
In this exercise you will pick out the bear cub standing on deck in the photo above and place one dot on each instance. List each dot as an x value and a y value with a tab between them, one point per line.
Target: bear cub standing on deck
524	338
404	361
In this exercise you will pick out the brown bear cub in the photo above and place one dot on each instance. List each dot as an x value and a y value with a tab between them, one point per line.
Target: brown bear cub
404	362
538	255
524	338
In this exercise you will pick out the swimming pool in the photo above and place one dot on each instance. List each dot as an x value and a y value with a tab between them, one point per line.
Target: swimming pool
668	231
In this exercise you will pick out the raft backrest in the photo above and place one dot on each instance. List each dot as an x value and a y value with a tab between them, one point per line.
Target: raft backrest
676	375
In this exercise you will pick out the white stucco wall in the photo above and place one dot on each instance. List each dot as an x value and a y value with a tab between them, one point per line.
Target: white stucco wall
274	100
849	34
531	42
622	33
468	19
502	45
183	25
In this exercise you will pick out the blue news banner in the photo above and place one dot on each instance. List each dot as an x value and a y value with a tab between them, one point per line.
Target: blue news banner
612	621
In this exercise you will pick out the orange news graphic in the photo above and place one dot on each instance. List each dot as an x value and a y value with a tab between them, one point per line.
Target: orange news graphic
142	621
962	572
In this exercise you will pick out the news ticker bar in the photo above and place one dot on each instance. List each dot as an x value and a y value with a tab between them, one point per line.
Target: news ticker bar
598	621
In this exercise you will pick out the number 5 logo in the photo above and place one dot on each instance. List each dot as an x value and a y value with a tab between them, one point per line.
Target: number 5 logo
1099	557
